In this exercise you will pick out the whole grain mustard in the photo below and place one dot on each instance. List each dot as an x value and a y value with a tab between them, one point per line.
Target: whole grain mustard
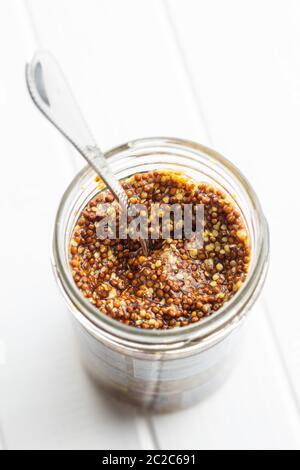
175	285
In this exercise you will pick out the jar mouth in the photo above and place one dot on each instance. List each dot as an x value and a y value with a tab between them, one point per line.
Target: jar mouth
232	311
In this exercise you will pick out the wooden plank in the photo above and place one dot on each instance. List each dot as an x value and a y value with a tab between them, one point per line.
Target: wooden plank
243	59
125	72
232	65
252	410
46	401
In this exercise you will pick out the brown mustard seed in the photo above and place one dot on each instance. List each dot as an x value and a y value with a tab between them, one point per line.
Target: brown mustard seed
173	286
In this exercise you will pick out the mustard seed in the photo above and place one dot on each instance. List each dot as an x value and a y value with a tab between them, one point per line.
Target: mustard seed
174	286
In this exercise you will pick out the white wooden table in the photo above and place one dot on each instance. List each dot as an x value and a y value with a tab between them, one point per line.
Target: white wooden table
226	74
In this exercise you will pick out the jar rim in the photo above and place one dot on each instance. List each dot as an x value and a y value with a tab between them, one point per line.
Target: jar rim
231	311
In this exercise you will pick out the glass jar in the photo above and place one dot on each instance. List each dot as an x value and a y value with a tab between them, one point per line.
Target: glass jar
161	370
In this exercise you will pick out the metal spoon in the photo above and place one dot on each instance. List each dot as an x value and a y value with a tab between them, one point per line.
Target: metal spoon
52	95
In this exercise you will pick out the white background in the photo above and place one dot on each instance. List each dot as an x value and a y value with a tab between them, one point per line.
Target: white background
224	73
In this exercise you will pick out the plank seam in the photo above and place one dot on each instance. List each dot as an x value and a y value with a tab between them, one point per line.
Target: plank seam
185	66
281	357
145	430
37	40
153	433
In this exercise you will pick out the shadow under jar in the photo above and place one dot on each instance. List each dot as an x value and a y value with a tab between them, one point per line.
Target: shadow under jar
162	370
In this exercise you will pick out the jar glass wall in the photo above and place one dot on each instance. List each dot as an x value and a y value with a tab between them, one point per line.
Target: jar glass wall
162	369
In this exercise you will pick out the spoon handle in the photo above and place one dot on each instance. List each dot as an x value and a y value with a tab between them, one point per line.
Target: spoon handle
52	95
